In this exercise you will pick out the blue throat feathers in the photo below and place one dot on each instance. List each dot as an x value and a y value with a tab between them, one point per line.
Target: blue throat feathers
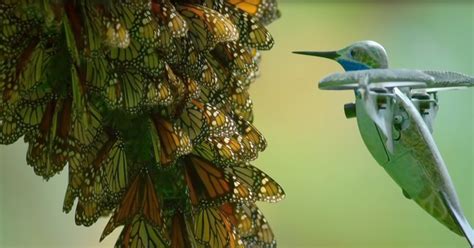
352	66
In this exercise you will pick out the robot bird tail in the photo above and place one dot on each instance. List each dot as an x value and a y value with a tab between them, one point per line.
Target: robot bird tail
461	221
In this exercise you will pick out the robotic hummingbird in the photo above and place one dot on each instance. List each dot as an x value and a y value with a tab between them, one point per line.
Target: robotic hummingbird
395	111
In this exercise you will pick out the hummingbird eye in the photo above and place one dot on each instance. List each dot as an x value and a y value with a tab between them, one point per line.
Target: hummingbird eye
353	53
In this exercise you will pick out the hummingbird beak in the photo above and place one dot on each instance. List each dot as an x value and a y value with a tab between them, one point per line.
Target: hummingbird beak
330	55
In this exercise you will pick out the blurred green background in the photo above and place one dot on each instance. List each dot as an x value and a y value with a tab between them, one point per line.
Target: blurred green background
337	196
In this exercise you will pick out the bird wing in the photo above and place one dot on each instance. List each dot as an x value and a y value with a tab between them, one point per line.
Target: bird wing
422	165
378	78
383	118
447	80
388	78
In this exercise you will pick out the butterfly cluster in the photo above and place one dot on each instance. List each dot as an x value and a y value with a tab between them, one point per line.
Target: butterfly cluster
145	104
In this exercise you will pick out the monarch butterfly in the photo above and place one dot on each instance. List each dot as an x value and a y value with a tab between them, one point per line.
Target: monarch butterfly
29	110
126	90
10	130
88	212
111	159
50	146
93	30
216	98
194	89
227	150
213	229
241	220
11	72
31	63
7	71
17	32
93	196
191	121
176	83
207	27
72	26
84	182
250	133
125	13
252	32
223	74
169	141
87	183
242	105
97	73
126	55
165	42
140	233
100	176
139	24
208	76
169	17
116	165
235	56
218	123
210	185
264	10
148	31
250	6
251	225
198	68
263	186
92	169
109	89
180	232
207	151
187	53
201	120
233	149
228	80
151	63
73	189
140	200
241	146
245	177
158	93
87	127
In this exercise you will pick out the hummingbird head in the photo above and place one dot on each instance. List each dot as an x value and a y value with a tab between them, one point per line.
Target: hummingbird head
361	55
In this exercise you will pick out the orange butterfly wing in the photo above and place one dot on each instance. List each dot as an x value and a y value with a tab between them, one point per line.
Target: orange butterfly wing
213	228
249	6
140	200
173	142
179	234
